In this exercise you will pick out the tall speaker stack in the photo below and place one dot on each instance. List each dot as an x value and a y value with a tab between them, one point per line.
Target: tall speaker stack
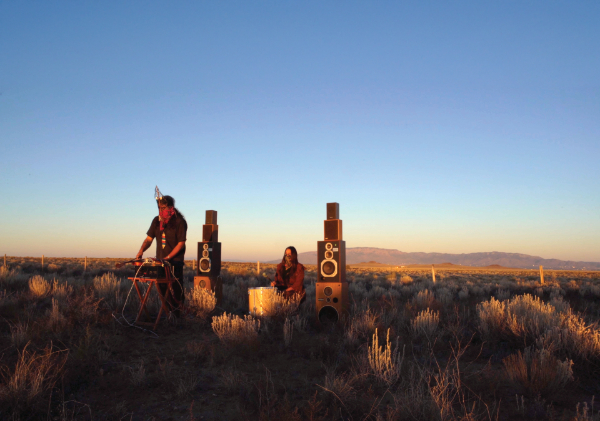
209	258
331	288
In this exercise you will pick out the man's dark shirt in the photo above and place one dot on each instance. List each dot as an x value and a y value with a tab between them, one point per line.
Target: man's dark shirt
175	232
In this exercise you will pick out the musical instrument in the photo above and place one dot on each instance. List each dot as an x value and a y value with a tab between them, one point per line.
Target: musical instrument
261	301
153	272
148	268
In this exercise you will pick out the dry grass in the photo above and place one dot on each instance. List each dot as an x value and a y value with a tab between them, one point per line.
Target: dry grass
385	362
426	324
297	369
233	329
34	374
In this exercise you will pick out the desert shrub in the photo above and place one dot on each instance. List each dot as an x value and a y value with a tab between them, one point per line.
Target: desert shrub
502	294
362	324
573	337
523	317
537	372
385	362
426	324
39	287
444	296
406	280
423	299
232	329
61	291
463	294
106	285
202	301
492	318
12	277
528	317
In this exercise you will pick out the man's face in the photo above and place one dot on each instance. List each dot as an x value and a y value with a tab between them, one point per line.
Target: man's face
162	207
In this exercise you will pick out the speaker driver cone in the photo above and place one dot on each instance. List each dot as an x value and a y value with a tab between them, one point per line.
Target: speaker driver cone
202	284
328	246
328	315
328	291
205	246
328	268
204	264
204	253
329	254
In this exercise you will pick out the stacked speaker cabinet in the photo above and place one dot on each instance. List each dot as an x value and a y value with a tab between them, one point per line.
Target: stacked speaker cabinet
331	287
209	258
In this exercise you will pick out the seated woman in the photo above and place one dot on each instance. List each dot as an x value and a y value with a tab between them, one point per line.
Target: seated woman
289	277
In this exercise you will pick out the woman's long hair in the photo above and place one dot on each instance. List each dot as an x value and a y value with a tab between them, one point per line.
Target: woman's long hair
169	201
294	258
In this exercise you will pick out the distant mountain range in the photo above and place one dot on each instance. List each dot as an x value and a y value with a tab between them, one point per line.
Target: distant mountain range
395	257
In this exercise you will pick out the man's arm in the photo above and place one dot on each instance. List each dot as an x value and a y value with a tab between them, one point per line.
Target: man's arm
147	242
176	250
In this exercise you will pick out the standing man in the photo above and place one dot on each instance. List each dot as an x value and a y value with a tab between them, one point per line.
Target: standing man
170	229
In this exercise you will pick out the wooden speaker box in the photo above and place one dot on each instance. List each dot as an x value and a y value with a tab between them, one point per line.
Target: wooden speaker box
332	301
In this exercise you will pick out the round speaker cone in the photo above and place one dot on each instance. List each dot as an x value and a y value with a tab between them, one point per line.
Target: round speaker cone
328	268
204	253
328	246
205	246
329	254
202	284
204	264
328	291
328	315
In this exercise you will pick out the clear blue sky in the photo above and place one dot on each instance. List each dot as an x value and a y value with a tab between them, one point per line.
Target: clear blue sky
438	126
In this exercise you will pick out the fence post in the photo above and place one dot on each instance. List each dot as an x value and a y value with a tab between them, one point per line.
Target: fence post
193	264
541	274
4	259
42	262
258	267
433	274
85	264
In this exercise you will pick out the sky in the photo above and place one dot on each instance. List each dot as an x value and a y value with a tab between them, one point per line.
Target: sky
451	127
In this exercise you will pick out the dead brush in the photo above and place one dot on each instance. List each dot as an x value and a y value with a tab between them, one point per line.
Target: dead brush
35	373
39	287
202	302
61	291
537	372
232	329
56	321
19	334
385	362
